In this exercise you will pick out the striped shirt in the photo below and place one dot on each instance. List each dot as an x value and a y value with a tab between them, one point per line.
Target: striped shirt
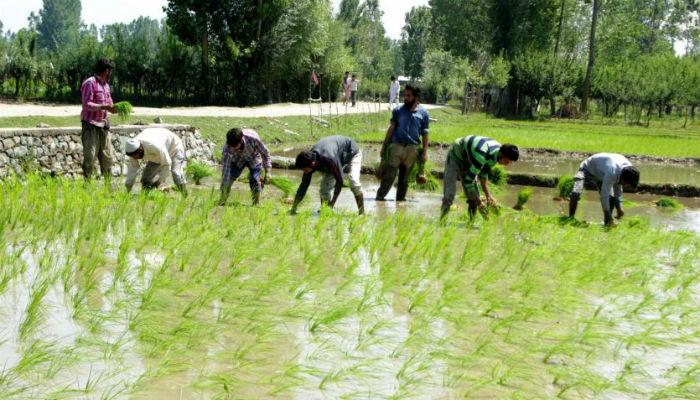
252	153
476	155
94	94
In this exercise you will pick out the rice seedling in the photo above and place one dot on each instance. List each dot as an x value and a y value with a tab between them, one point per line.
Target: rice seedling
523	198
565	185
286	185
198	171
124	110
329	304
669	204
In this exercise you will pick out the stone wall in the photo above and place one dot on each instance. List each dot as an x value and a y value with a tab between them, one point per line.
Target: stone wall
59	151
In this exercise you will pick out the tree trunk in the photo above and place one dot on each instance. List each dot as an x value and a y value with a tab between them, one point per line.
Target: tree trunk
260	18
205	61
552	99
591	59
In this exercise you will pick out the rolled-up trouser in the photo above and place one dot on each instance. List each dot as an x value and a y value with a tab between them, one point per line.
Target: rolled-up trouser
452	175
353	174
154	174
96	144
400	159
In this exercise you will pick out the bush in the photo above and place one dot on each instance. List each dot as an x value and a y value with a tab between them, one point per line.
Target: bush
198	171
565	185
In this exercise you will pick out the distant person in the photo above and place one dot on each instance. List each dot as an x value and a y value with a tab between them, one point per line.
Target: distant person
407	131
394	89
244	149
468	160
332	156
97	101
609	173
354	83
346	88
164	154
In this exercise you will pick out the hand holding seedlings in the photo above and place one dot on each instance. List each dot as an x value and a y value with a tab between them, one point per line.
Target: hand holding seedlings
610	173
470	160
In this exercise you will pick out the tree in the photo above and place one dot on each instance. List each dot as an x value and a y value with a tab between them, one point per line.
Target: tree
586	90
415	39
464	25
59	23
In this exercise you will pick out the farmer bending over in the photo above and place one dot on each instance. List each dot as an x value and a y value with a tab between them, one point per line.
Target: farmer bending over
244	149
163	152
331	155
471	158
609	173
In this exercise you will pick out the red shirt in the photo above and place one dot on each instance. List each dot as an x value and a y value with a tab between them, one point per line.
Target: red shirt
95	94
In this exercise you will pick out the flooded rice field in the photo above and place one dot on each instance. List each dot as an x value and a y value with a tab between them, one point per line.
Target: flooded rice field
105	295
555	165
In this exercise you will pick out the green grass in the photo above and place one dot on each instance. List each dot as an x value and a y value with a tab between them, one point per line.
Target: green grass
105	294
665	137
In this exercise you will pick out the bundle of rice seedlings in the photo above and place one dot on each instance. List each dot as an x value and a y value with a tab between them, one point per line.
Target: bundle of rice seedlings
198	171
286	185
124	109
565	185
669	203
523	197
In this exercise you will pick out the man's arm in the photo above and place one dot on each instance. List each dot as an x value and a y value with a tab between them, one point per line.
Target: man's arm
338	175
484	181
425	132
86	94
301	192
267	162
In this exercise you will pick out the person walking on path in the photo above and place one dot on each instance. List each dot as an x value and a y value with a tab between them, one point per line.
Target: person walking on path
354	83
346	88
469	159
163	152
609	173
332	155
394	93
408	129
244	149
97	102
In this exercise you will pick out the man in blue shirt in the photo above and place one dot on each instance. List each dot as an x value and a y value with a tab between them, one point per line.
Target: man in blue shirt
407	132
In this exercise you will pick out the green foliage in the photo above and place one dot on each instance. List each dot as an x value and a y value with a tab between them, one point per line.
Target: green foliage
286	185
124	109
669	203
59	23
198	171
565	185
498	175
523	197
416	40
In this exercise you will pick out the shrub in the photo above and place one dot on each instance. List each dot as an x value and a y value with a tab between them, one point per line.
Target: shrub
198	171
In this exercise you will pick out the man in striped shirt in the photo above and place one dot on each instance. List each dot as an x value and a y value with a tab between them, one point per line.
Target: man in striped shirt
97	101
244	149
471	158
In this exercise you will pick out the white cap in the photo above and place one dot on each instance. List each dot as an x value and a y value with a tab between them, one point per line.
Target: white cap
131	146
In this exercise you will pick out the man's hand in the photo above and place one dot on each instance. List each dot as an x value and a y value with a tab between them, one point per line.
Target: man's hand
111	109
266	179
491	201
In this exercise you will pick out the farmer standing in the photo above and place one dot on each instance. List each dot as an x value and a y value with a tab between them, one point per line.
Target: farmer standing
346	88
394	89
163	152
469	159
609	173
332	156
97	101
408	129
354	83
244	149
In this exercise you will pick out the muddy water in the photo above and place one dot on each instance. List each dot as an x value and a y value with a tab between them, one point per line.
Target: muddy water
651	172
541	202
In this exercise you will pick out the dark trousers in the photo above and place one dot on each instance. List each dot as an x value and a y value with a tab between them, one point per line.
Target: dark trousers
96	144
353	97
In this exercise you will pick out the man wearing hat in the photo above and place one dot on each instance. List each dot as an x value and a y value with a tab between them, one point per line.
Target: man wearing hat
163	151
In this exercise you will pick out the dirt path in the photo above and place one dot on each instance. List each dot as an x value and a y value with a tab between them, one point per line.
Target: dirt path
273	110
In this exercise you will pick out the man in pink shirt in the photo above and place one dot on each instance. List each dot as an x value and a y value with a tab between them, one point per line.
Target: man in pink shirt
97	101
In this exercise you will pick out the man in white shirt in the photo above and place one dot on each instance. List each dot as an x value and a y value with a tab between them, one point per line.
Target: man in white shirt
353	89
394	93
163	152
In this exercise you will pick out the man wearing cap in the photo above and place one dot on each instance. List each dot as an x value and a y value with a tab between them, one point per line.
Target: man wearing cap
163	152
468	160
331	155
609	173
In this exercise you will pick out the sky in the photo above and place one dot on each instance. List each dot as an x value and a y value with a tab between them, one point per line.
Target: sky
14	13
